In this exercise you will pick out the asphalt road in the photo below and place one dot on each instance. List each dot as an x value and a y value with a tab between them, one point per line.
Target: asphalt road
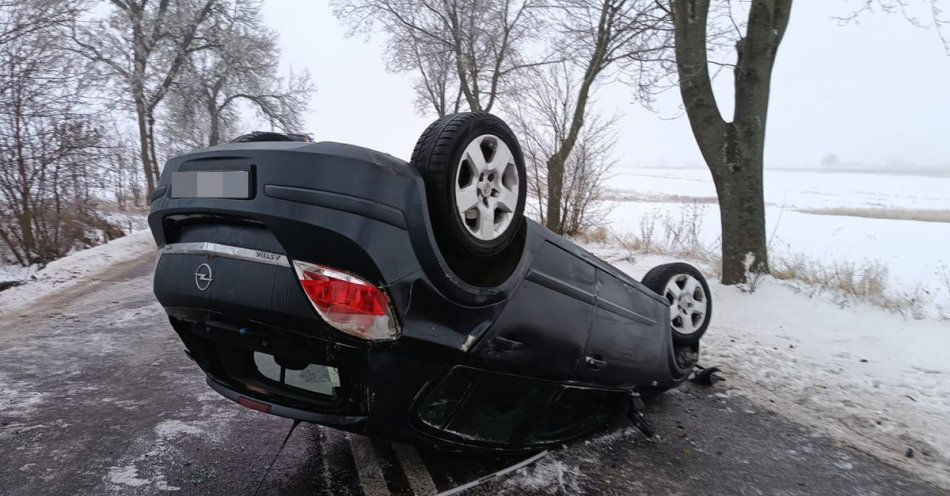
96	397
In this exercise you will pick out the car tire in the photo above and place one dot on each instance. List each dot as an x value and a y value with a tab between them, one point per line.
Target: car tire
687	293
682	361
475	182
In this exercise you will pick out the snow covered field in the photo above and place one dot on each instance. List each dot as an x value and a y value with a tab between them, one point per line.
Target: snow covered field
912	251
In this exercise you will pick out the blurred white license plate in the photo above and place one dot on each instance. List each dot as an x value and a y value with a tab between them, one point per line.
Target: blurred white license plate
211	184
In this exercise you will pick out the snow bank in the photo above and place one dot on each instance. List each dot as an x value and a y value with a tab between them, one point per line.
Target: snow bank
77	268
867	377
15	272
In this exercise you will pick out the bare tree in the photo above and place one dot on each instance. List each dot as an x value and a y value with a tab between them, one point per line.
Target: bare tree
734	150
541	117
602	38
436	84
241	66
585	201
122	175
21	19
144	45
462	50
471	50
48	142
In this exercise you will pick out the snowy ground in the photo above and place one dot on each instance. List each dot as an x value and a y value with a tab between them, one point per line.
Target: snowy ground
911	250
81	267
867	377
129	220
15	272
873	379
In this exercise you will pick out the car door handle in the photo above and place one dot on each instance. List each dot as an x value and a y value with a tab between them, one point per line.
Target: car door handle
503	344
595	362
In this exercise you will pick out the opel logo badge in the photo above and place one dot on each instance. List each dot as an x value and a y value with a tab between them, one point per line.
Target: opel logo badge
203	276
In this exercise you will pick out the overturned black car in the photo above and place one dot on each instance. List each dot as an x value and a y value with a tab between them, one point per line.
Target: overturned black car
334	284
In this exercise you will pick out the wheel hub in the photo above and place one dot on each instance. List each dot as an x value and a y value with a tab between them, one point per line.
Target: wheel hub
485	189
685	300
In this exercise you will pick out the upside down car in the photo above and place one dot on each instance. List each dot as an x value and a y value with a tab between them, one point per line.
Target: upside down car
334	284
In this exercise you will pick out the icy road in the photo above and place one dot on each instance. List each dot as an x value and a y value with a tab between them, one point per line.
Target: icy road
97	397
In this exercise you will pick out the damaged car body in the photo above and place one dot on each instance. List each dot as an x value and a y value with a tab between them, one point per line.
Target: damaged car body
334	284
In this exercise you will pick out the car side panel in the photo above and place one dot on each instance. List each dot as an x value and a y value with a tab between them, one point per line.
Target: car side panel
628	335
545	324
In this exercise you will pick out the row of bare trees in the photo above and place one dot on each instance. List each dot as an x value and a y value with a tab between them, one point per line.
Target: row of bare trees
183	70
541	63
48	143
213	52
94	95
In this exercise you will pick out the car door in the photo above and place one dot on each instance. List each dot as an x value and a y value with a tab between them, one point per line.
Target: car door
625	346
545	325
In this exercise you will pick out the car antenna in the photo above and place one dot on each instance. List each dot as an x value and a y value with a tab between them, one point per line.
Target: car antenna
267	472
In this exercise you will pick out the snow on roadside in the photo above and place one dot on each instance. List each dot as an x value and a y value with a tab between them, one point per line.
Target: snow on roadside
15	272
77	268
864	376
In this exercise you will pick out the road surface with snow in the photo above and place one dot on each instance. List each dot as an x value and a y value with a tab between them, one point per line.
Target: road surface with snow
97	397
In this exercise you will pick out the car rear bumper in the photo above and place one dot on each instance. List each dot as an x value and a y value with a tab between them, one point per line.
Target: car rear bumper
345	422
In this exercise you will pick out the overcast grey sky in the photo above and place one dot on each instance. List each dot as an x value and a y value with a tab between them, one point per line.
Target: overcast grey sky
875	93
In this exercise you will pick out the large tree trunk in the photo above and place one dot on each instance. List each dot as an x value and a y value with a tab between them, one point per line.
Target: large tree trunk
143	146
733	150
741	210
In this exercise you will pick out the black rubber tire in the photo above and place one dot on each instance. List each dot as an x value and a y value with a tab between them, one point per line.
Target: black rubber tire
437	155
657	279
258	136
681	365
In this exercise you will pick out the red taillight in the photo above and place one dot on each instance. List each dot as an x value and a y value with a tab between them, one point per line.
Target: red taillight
334	295
347	302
